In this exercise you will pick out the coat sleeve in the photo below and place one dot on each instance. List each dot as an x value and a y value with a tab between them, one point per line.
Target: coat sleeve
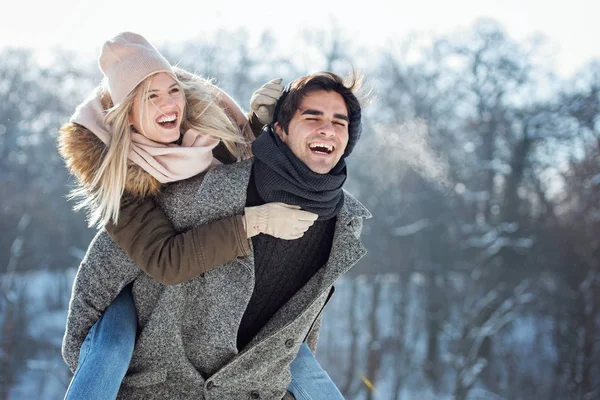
148	238
102	274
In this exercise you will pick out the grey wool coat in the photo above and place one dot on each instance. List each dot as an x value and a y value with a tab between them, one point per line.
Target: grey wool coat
186	345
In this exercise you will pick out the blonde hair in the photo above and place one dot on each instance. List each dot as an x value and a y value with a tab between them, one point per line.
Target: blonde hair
102	195
204	113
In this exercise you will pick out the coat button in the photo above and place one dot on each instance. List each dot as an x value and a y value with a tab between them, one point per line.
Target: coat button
254	395
289	343
210	385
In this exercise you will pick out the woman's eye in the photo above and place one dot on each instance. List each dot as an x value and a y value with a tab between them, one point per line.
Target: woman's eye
175	91
152	96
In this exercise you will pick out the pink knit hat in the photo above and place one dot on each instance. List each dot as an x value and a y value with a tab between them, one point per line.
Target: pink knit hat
126	60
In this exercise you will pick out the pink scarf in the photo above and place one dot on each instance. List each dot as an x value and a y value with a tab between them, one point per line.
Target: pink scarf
165	162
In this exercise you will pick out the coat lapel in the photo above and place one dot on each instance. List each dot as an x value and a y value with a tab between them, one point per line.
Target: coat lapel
346	248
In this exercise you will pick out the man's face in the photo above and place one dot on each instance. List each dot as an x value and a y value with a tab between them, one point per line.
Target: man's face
318	131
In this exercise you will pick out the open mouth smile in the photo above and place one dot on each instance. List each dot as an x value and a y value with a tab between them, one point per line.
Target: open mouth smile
167	121
321	148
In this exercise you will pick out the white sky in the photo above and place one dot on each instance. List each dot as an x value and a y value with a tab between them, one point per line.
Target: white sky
571	27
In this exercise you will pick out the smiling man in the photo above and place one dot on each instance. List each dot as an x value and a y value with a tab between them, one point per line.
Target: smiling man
300	160
318	131
234	331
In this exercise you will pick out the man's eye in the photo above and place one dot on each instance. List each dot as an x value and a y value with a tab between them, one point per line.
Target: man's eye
339	123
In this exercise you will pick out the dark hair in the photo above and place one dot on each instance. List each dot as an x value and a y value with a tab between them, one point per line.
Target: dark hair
295	91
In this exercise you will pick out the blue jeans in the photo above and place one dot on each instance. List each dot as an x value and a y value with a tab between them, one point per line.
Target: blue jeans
309	380
107	350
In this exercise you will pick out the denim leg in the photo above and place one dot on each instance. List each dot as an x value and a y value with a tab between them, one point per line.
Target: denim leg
106	352
309	380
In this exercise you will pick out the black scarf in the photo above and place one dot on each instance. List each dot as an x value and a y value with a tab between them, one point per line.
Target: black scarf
281	177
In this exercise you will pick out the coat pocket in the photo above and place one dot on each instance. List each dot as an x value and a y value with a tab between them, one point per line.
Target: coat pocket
145	378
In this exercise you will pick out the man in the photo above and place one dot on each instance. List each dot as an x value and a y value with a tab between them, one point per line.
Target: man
233	332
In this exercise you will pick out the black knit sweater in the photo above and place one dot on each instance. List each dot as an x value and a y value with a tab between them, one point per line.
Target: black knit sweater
282	267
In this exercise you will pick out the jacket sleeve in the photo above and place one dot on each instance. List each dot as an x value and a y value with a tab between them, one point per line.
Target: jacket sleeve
103	273
255	124
148	238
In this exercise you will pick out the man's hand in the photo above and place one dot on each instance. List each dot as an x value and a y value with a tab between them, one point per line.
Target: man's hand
262	102
278	219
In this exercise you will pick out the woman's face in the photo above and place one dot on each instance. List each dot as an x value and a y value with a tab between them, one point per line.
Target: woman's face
158	116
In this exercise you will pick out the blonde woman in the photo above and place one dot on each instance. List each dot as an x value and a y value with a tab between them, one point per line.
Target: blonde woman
148	125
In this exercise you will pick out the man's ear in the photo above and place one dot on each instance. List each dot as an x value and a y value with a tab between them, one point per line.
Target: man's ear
278	130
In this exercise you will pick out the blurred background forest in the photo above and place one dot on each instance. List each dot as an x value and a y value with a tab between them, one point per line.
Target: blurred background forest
482	278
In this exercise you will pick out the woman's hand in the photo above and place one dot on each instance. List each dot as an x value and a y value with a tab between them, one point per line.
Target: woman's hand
262	102
280	220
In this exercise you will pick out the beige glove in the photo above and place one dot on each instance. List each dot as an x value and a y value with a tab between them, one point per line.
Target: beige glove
262	102
278	219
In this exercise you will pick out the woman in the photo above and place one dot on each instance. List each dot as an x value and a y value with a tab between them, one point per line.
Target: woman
150	124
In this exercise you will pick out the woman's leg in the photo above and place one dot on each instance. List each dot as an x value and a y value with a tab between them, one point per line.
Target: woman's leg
106	352
309	380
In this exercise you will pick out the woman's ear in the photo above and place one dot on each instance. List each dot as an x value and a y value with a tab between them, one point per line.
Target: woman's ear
130	116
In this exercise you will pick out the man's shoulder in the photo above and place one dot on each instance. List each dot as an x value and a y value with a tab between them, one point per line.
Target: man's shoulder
354	207
226	176
216	194
241	167
220	175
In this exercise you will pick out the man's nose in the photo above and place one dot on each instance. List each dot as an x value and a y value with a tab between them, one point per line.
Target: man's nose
327	128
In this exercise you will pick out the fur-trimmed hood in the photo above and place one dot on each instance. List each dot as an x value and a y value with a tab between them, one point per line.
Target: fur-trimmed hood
84	151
